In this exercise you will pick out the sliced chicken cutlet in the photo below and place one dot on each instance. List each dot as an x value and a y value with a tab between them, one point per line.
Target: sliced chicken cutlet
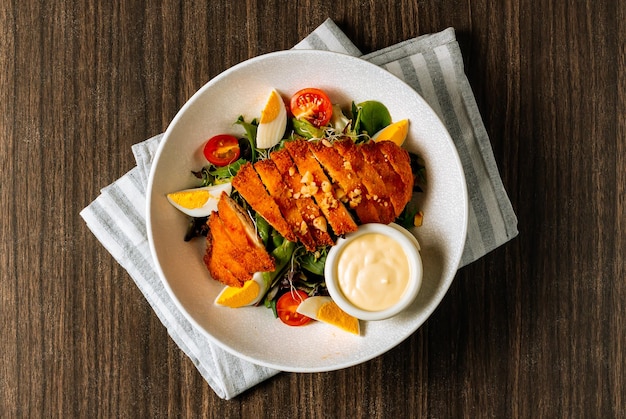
225	254
242	232
273	181
341	173
317	184
375	188
401	161
309	210
213	261
249	185
394	186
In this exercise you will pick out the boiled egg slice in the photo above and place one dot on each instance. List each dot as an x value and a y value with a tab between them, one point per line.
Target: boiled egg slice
396	132
325	310
272	123
249	294
199	202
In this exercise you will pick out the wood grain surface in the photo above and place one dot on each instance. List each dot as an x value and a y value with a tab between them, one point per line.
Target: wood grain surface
534	329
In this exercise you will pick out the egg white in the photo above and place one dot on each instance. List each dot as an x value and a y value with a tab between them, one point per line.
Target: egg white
270	133
311	306
258	278
215	191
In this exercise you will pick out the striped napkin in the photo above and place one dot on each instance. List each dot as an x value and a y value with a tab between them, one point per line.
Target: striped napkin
433	66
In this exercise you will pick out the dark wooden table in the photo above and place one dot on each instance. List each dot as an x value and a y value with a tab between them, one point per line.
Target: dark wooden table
534	329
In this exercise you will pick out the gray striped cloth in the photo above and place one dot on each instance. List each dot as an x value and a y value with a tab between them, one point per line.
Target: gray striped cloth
433	66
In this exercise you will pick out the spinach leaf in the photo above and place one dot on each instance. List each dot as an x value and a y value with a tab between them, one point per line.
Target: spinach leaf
372	116
282	255
250	128
313	262
407	218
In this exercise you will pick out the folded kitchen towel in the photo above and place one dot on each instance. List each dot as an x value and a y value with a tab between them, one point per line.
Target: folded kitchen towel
433	66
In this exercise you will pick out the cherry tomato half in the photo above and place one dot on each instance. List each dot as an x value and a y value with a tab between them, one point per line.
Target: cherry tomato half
222	150
312	105
286	308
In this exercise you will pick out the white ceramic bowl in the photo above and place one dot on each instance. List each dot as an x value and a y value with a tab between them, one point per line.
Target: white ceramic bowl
253	333
414	281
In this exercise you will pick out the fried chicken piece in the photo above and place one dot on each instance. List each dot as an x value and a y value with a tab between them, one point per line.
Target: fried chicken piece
234	250
309	210
316	184
401	161
242	232
351	190
394	186
249	185
225	256
273	181
375	188
216	268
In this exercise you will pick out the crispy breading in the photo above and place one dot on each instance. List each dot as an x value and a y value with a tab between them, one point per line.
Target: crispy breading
215	257
273	181
317	184
233	258
401	162
394	186
375	188
250	187
220	273
241	231
348	181
307	207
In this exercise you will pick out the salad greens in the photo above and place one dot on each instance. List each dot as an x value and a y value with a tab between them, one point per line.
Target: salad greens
306	129
371	116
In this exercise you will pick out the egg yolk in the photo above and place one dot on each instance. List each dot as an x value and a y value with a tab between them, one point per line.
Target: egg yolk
272	108
238	297
190	200
395	132
331	313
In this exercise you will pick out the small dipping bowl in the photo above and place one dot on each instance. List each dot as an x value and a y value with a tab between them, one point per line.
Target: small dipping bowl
374	259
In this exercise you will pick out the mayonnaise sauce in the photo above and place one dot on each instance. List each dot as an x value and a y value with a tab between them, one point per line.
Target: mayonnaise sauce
373	271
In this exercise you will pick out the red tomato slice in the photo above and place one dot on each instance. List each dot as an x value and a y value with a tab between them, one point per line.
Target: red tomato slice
222	150
286	308
312	105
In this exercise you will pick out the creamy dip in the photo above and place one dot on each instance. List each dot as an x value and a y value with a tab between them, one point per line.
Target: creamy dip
373	271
